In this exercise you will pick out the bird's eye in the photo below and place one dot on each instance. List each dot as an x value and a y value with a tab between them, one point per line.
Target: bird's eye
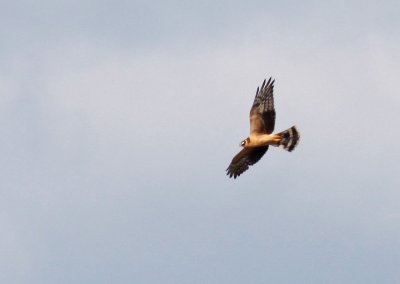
243	142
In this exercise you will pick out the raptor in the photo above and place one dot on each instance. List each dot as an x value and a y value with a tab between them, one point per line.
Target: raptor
262	124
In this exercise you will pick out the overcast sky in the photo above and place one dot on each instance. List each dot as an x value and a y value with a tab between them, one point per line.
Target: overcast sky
118	119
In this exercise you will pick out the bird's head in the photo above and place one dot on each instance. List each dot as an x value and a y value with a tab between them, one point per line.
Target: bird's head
245	142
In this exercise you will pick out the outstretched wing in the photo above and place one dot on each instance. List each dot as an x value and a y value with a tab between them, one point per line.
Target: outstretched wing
245	158
262	113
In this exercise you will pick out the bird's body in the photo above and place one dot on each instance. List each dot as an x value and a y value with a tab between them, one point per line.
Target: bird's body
262	124
257	140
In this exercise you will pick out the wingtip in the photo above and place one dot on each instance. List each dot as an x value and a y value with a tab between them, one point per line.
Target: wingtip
231	174
268	84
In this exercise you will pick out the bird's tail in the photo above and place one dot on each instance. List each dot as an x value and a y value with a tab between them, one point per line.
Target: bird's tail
290	138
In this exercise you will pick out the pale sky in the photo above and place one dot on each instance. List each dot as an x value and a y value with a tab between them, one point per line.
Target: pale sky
119	118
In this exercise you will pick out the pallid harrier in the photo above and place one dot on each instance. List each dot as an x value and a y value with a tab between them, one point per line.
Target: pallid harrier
262	123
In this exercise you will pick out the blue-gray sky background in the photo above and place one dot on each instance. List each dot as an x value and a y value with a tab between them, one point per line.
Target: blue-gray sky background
118	119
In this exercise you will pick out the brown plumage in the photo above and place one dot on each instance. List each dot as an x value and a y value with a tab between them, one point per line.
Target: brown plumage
262	124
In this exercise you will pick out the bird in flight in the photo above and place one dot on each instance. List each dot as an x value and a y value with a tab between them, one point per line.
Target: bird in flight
262	124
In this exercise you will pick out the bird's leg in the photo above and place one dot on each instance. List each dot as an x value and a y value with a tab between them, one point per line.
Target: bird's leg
276	138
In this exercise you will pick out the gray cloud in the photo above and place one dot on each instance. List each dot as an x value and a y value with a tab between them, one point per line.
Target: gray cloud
113	157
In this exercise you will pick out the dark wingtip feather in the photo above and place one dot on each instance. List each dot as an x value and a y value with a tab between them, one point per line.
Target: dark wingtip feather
231	174
263	84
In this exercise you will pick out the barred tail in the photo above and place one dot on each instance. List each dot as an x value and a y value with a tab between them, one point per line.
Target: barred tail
290	138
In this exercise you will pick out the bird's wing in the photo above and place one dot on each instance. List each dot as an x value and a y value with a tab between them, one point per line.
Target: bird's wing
262	113
245	158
